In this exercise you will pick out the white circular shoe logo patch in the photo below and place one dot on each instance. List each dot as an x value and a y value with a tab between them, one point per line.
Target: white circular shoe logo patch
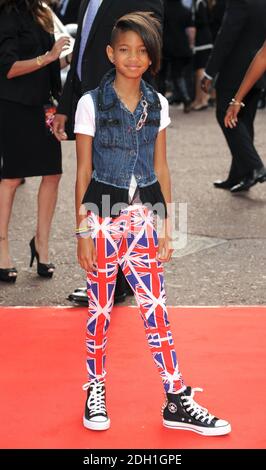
172	407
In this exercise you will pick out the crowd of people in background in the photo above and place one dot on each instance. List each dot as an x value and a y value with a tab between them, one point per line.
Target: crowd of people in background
190	31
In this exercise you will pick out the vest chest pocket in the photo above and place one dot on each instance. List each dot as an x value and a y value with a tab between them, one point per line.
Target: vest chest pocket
110	132
150	130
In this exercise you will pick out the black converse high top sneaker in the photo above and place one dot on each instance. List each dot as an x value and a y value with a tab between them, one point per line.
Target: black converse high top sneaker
95	416
182	412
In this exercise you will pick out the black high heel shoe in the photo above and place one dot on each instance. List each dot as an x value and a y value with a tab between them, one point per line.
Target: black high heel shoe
42	268
8	274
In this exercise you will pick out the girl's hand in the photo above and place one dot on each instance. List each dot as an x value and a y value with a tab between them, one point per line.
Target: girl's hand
60	45
230	119
165	249
86	252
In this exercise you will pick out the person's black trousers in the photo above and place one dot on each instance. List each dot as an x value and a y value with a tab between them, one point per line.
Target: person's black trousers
240	140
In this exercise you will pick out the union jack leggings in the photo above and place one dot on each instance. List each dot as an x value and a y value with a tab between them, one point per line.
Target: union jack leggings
129	240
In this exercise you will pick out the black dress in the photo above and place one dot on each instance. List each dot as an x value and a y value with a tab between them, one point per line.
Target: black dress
27	146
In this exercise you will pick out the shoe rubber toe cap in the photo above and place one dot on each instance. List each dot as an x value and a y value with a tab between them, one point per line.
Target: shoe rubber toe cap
99	419
221	422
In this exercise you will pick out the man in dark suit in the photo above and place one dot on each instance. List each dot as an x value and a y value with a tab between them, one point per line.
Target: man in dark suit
242	33
67	10
89	64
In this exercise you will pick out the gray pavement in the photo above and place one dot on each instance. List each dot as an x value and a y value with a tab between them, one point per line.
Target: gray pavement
224	259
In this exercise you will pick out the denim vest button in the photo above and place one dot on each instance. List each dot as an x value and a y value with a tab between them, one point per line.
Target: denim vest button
132	153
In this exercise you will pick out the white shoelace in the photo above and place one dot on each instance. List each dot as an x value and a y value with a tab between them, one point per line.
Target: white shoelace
195	410
96	400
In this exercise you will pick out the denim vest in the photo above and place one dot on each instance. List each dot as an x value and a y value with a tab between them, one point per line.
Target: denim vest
119	150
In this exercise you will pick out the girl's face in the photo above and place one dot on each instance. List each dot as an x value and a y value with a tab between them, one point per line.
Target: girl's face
129	55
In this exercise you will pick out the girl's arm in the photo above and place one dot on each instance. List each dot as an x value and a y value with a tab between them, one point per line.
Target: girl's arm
254	72
85	251
162	172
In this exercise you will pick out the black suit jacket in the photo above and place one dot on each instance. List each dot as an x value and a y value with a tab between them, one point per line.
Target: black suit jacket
95	62
175	39
71	13
242	34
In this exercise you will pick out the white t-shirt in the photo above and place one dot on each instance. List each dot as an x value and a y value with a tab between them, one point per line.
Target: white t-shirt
85	123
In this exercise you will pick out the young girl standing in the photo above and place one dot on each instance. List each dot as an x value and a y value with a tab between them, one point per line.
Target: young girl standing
122	176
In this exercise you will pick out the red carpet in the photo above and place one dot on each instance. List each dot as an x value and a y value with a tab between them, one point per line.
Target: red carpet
42	357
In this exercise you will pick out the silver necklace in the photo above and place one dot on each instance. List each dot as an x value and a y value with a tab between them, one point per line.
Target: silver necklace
144	113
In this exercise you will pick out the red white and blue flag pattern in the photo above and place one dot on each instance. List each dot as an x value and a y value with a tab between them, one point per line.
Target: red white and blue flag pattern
130	241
